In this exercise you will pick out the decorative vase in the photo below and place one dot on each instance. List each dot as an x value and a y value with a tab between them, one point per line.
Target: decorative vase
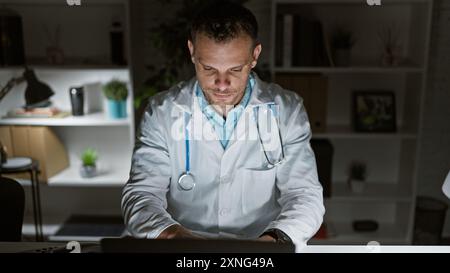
88	171
117	109
55	55
342	57
357	185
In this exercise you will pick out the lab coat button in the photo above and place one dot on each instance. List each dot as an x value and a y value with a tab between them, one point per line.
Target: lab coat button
224	212
225	179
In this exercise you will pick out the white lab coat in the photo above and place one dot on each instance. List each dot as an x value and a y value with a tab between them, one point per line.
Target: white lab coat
234	195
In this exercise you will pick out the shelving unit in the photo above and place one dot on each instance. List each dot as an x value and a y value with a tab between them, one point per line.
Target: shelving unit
346	132
113	138
349	70
390	190
86	63
93	129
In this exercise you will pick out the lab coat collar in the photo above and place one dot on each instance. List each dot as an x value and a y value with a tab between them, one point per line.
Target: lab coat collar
184	98
260	94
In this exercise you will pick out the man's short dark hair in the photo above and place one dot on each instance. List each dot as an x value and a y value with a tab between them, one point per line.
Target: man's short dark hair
224	21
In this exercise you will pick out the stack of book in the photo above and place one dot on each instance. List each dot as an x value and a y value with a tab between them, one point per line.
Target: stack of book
301	42
40	112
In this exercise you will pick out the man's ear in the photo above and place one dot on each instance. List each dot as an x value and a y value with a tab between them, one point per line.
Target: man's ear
256	52
191	49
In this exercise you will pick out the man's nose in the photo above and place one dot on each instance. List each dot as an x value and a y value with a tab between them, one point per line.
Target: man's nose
222	82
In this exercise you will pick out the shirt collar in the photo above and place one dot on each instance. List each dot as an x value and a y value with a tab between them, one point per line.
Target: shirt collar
207	108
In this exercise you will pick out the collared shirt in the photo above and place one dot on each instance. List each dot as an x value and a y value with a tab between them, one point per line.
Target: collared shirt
225	127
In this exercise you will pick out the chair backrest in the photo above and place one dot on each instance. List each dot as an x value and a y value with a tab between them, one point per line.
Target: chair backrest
12	208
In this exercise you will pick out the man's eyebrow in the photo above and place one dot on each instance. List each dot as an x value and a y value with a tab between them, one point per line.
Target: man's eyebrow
234	67
205	64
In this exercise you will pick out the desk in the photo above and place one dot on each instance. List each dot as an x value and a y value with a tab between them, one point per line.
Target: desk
374	249
14	247
36	247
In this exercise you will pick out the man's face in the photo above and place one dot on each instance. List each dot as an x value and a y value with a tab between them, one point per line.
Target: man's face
223	68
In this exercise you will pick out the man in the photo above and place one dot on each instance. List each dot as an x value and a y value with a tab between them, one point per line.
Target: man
225	154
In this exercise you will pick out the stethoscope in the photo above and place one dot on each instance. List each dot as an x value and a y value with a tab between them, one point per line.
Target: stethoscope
270	164
186	181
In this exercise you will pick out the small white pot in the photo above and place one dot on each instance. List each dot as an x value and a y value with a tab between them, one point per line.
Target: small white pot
88	171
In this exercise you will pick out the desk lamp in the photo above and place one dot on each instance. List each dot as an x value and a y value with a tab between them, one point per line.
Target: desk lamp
37	93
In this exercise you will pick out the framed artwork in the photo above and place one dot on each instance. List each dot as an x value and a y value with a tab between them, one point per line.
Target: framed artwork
374	111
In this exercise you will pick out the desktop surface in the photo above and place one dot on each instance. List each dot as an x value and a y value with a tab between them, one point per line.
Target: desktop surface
90	247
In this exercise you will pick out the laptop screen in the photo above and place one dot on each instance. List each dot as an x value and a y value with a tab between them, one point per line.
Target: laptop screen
132	245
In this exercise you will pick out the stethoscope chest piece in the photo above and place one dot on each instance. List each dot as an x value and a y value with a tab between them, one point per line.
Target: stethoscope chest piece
186	182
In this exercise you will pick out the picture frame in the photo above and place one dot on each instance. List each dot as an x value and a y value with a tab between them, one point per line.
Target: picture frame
374	111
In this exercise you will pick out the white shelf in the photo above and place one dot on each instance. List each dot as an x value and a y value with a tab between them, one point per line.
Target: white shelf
347	132
95	119
28	229
44	67
61	2
356	2
349	70
113	176
372	192
343	233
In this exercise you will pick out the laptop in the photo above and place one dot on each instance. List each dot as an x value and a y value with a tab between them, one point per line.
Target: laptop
133	245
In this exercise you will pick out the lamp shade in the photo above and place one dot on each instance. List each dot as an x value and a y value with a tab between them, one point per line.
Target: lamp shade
36	92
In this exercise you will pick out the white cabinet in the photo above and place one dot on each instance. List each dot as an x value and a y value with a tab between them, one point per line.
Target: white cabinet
85	41
84	37
112	138
391	157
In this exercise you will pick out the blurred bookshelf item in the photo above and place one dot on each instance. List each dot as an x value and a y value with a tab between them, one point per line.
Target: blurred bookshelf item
301	42
44	112
313	89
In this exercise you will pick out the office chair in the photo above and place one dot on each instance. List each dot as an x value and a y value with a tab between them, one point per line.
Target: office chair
12	208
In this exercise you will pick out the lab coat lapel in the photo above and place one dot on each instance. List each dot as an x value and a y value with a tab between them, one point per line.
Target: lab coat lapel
198	127
245	128
183	99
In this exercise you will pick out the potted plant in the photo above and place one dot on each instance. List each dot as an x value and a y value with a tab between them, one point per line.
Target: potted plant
166	38
342	43
357	177
116	92
89	159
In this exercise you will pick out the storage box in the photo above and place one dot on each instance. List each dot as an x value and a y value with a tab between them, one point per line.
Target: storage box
6	139
93	98
313	89
39	143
